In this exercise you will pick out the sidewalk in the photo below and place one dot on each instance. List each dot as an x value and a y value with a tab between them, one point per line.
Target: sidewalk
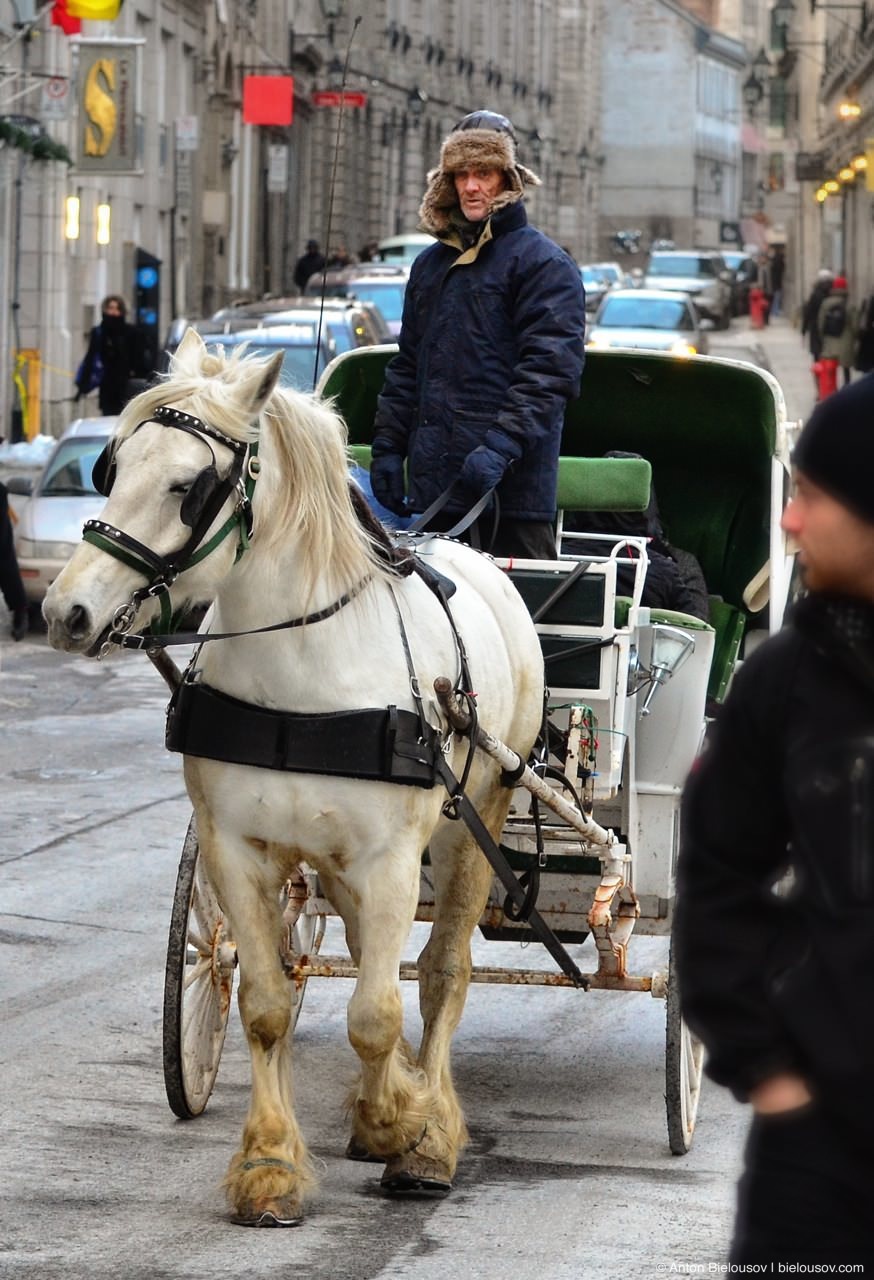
779	348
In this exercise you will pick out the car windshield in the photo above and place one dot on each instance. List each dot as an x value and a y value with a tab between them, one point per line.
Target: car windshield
591	276
298	360
682	266
388	296
68	473
644	313
611	274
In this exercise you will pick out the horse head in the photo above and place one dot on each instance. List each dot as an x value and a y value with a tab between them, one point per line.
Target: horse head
174	474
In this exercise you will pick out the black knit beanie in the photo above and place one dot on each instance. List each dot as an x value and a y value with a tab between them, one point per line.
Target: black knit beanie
836	446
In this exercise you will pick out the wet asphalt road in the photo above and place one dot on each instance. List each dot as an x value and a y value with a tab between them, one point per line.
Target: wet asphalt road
568	1173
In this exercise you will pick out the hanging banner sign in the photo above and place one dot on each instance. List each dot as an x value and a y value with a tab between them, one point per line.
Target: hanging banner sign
106	128
336	98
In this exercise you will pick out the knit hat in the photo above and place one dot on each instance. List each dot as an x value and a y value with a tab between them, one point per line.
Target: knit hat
481	140
836	447
839	282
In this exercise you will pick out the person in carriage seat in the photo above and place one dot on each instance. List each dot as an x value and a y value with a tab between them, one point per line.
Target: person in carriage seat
674	578
490	350
780	985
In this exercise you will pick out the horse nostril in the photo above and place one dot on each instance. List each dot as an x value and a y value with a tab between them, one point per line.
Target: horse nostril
78	622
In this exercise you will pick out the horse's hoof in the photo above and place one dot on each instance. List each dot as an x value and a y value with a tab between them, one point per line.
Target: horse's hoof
414	1176
280	1216
356	1150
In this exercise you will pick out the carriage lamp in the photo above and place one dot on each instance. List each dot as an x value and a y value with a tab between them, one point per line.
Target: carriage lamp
670	649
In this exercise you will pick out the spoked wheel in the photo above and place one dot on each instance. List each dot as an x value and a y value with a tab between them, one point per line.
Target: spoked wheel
198	982
684	1066
303	937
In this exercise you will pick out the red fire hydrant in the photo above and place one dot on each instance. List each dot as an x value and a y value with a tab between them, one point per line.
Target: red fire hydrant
826	374
758	307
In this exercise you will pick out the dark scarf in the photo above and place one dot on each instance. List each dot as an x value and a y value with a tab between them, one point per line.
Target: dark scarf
841	628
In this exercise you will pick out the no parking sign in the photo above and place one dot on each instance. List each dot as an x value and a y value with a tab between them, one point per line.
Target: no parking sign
55	99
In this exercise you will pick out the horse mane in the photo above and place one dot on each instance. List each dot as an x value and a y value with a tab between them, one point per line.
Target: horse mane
307	489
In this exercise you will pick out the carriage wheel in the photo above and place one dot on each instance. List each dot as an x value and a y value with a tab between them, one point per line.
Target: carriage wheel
198	982
684	1063
305	937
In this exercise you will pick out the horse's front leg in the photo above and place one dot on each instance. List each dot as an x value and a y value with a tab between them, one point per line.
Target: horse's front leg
393	1102
270	1174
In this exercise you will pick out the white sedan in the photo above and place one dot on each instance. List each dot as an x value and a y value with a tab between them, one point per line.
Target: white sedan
650	320
49	526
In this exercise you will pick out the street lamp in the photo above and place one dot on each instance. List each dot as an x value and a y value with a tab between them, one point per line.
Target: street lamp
753	91
782	14
583	160
416	102
331	11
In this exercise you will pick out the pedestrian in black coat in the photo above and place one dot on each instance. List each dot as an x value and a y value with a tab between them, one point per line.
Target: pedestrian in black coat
112	359
11	586
810	312
780	985
308	264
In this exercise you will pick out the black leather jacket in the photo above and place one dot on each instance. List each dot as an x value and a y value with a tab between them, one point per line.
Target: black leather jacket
786	982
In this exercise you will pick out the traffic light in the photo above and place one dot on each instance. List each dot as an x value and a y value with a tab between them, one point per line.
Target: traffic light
147	296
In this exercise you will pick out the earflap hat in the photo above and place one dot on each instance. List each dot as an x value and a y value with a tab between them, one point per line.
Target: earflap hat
481	140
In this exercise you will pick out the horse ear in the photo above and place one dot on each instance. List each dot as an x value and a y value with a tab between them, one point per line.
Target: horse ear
190	349
263	387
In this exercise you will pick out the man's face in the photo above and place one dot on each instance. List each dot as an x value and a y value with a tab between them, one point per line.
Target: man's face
836	547
477	189
112	309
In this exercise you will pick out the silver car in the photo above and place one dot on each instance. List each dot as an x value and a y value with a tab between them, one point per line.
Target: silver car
50	522
650	320
703	274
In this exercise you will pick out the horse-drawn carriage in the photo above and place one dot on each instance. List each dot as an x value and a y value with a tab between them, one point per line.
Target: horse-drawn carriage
581	841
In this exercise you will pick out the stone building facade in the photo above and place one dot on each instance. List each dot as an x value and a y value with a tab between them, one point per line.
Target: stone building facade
224	207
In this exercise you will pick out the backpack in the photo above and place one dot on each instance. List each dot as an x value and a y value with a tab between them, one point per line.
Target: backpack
835	321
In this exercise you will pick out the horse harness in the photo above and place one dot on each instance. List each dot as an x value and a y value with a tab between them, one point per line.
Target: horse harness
389	744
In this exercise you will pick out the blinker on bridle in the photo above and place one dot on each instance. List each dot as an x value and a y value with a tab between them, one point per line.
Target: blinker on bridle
201	505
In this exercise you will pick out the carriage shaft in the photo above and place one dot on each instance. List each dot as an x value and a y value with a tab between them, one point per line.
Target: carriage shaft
342	967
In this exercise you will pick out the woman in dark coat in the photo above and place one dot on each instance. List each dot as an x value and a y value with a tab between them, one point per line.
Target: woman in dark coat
112	359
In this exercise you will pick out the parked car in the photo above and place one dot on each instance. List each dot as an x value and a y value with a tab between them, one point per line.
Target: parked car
345	324
376	282
745	273
61	499
615	275
650	319
595	284
405	249
699	272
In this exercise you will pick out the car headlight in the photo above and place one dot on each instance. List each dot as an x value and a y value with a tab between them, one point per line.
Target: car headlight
597	343
28	549
680	348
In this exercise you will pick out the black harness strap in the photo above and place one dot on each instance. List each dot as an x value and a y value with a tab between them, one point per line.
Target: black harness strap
515	891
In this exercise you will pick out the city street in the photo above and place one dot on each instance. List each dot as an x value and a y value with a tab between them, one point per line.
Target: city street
568	1172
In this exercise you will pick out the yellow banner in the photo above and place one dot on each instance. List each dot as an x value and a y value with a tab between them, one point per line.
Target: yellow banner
103	10
869	168
106	127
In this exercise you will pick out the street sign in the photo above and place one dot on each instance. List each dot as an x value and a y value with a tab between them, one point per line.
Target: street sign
55	99
810	166
277	168
187	133
337	98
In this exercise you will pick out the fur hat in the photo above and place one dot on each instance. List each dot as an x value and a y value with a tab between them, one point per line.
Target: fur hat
482	140
836	447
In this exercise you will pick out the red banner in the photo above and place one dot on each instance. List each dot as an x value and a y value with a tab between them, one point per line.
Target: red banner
268	99
335	98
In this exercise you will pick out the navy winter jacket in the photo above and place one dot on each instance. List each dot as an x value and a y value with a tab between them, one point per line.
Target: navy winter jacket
490	350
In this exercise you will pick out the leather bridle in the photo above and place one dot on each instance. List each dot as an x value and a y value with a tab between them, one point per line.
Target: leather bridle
206	496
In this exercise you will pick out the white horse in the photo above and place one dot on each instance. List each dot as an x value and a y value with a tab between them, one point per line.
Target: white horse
310	555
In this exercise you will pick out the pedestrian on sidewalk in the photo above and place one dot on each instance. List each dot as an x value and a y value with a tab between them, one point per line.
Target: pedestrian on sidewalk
11	586
837	327
778	271
786	784
113	358
308	264
810	313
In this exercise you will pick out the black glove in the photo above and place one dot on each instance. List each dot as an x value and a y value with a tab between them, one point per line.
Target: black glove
79	394
387	478
482	469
